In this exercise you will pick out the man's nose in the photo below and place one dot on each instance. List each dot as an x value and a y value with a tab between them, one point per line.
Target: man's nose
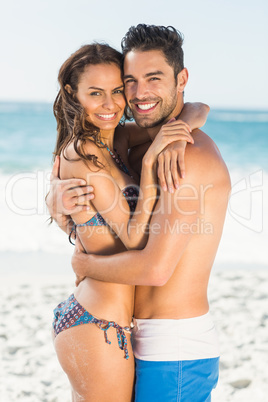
141	90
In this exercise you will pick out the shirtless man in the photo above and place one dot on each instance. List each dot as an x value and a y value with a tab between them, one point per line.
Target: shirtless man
174	339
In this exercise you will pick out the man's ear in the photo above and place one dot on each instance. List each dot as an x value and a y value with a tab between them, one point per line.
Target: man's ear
182	79
68	88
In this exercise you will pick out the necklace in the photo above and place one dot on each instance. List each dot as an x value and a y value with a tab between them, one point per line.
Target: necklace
115	155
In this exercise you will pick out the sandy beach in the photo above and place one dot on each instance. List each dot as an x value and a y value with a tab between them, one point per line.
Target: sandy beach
29	368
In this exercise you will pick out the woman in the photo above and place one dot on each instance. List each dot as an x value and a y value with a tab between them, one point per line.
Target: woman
91	143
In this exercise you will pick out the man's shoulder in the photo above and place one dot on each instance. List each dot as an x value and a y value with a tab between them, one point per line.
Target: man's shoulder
204	144
204	162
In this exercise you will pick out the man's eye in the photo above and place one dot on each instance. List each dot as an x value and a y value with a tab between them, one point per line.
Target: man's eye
118	91
129	81
154	79
95	93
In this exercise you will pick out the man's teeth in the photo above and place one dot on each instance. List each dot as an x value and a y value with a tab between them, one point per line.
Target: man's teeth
107	116
147	106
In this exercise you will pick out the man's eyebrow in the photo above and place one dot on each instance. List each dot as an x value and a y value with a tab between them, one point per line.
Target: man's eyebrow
158	72
127	76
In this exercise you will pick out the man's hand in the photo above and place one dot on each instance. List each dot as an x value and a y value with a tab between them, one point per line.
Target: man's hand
79	259
66	197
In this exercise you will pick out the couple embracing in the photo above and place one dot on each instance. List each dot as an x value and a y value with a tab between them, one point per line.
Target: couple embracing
146	229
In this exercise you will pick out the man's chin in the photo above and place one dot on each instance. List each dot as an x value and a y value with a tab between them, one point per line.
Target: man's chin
147	122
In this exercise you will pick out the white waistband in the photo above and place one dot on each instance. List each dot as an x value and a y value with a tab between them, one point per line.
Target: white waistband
172	340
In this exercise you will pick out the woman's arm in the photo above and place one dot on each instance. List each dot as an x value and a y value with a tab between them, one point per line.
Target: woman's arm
109	200
193	113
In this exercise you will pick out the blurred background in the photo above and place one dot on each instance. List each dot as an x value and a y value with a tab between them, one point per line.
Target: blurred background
226	54
226	43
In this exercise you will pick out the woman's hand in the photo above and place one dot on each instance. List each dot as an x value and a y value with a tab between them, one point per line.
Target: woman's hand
171	159
174	130
168	149
170	164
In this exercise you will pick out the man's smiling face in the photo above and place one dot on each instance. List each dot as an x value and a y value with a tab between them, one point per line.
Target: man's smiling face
150	87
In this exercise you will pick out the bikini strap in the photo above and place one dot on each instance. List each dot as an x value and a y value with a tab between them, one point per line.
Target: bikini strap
120	333
73	230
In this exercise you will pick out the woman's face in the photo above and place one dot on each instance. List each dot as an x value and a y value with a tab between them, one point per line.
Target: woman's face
101	93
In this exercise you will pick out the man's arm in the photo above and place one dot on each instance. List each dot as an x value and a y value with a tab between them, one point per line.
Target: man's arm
155	264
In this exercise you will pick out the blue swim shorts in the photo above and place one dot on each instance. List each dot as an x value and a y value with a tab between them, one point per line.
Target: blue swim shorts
176	360
176	381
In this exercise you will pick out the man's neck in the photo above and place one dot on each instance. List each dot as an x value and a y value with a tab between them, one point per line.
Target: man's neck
153	131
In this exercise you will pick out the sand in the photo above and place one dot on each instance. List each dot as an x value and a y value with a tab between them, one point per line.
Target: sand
29	369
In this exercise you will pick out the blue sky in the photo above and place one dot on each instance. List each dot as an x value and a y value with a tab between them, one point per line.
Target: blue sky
226	44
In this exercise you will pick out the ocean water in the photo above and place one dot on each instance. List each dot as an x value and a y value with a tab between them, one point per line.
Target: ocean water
27	140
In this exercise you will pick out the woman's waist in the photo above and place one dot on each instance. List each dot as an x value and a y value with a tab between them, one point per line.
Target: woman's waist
111	302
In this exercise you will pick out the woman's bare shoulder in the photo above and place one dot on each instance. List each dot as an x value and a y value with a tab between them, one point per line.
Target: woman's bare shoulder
72	164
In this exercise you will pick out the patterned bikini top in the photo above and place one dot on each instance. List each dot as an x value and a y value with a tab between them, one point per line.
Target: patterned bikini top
131	193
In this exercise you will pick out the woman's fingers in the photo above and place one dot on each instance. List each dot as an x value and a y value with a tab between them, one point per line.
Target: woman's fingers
167	179
170	163
177	123
161	172
181	162
174	170
168	176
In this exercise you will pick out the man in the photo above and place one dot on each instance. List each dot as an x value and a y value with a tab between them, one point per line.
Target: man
174	339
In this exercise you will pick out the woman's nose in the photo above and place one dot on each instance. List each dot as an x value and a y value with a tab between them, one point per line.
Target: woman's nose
108	102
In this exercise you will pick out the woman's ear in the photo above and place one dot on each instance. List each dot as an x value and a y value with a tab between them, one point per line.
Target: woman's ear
68	88
182	79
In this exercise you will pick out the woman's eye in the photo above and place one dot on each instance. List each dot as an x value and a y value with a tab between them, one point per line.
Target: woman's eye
95	93
119	91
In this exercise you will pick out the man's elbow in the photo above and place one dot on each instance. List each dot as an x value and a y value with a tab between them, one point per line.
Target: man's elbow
157	275
207	108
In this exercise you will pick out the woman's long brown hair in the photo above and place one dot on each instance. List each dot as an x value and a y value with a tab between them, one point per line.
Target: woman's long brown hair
72	123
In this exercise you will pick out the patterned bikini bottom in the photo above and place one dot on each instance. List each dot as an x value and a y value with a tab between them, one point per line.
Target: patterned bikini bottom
70	313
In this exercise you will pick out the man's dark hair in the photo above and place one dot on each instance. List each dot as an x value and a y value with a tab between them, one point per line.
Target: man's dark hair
151	37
